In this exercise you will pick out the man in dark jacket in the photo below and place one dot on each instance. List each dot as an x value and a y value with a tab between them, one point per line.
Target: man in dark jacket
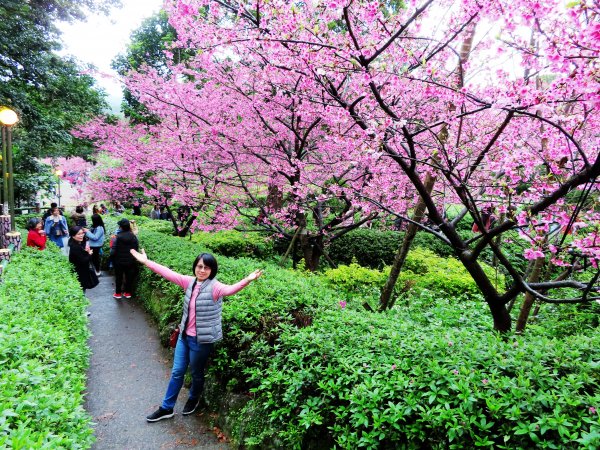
124	262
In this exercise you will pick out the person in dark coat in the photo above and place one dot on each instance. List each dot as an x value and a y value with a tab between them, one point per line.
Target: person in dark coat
137	209
80	256
124	263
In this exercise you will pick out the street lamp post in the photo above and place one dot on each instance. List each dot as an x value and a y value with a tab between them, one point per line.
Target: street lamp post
4	172
59	174
8	118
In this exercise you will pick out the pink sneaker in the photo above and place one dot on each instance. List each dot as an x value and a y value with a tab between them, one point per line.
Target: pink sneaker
126	295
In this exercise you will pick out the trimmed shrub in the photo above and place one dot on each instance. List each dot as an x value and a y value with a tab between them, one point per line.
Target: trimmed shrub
369	248
432	374
425	378
235	244
43	354
376	248
423	270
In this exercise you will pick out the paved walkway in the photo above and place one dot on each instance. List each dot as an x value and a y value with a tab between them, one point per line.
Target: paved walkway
127	379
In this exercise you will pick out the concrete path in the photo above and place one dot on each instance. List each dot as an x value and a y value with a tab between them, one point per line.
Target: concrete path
127	379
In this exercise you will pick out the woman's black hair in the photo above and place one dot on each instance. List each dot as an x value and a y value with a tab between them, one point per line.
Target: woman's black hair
32	223
74	230
209	260
97	221
79	209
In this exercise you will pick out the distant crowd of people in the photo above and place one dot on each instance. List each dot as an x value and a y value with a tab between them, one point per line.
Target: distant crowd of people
84	243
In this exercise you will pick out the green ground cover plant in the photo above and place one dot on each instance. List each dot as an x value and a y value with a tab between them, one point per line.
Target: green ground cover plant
322	372
423	270
427	377
43	354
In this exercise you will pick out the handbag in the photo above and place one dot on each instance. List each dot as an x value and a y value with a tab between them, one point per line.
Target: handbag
173	338
93	280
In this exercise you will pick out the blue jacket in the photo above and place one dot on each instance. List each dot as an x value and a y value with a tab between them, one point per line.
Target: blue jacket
96	237
56	233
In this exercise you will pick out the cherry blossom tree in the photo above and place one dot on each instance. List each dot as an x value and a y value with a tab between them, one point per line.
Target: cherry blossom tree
513	143
357	103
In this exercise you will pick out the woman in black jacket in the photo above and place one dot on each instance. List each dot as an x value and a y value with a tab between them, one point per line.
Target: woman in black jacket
80	256
125	264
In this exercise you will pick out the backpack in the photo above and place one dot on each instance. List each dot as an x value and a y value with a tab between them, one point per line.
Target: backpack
81	222
57	228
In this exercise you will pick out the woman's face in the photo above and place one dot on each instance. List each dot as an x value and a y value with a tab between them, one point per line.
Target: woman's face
56	212
79	236
38	226
202	271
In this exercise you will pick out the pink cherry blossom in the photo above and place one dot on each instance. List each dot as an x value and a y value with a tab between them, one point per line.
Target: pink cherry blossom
322	130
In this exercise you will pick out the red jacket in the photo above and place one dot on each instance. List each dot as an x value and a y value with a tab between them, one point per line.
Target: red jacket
35	239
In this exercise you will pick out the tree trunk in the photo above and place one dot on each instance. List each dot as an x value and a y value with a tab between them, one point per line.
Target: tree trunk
385	300
184	231
290	247
173	221
4	228
14	238
501	317
274	198
529	298
311	249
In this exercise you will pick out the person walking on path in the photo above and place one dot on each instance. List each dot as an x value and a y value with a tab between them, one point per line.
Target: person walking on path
123	260
80	256
36	237
78	217
56	227
96	240
200	326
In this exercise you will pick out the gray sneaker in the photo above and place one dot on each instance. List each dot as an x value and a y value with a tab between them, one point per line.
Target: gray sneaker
160	414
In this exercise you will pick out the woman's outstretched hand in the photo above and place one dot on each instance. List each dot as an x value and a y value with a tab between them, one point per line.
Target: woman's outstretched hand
141	257
254	275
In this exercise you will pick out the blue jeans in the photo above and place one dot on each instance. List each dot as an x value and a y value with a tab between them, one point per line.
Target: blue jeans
187	352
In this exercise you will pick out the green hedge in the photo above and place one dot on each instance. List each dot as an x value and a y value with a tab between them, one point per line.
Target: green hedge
236	244
375	248
426	378
432	374
423	270
43	354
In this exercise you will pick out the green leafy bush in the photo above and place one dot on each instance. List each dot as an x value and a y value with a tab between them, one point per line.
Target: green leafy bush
423	270
426	377
22	219
431	374
43	354
355	278
376	248
235	244
160	226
